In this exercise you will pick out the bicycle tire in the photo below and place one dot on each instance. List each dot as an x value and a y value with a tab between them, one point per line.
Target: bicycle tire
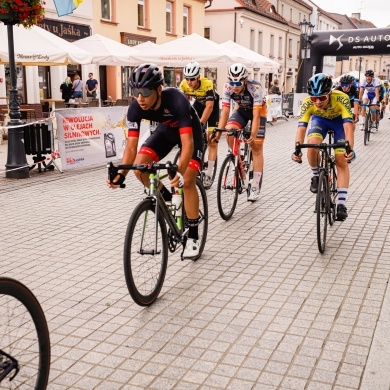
228	187
203	217
332	194
145	273
22	318
366	128
322	209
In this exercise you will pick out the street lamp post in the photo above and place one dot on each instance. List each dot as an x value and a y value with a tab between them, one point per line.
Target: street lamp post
360	66
388	71
16	166
306	33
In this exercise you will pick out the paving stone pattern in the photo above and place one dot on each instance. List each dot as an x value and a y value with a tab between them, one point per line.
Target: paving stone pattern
262	309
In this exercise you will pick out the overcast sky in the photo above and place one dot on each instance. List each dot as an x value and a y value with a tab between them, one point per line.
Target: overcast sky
375	11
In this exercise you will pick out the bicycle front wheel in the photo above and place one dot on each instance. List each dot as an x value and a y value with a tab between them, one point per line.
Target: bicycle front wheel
367	128
203	217
24	338
145	253
322	208
228	186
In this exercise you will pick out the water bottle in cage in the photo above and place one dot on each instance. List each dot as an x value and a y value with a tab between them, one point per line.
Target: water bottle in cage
177	204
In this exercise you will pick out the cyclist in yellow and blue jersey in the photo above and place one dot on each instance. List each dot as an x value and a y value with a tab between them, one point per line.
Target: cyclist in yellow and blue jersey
327	109
206	105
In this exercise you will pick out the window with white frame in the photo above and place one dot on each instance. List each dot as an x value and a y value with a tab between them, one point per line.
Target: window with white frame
186	16
207	32
106	9
252	40
260	43
280	48
272	46
169	16
141	13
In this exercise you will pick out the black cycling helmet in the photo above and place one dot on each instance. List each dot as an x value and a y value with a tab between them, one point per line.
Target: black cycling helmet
320	84
369	73
146	75
347	79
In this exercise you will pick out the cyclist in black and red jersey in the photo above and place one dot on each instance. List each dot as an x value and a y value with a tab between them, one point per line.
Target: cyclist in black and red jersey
248	96
177	123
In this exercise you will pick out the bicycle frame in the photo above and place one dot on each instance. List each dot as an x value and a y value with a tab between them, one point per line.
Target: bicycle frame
176	224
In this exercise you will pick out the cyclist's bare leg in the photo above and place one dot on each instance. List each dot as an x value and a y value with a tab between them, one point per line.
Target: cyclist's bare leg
142	177
213	145
191	197
342	171
258	156
313	156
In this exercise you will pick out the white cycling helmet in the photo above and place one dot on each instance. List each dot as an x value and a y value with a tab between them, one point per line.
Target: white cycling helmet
385	81
237	72
192	69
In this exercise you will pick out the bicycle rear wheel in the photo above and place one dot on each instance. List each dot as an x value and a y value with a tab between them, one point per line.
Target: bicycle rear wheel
24	338
322	208
203	217
145	253
228	186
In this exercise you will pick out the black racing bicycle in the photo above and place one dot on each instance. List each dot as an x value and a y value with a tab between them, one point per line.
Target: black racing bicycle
154	229
236	172
24	338
369	123
325	206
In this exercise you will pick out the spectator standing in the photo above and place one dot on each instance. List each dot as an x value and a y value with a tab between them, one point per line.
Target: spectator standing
66	89
77	89
91	86
274	89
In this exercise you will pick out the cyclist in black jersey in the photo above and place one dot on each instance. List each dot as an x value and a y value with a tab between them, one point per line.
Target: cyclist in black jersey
347	86
248	96
177	122
206	105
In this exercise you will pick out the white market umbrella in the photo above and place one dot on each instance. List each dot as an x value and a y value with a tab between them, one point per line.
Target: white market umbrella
259	61
194	47
145	46
106	51
36	46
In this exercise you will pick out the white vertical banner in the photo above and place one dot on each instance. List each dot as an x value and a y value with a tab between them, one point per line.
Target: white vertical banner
89	136
274	106
297	104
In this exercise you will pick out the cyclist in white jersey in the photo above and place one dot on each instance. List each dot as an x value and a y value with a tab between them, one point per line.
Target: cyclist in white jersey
248	96
369	96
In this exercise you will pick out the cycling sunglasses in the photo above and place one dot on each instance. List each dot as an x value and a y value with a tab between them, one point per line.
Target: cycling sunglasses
321	98
191	78
345	85
236	83
145	92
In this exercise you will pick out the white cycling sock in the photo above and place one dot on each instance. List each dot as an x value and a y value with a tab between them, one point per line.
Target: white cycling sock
210	167
342	195
315	171
256	179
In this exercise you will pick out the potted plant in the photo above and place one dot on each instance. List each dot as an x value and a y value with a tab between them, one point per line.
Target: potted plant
289	55
25	12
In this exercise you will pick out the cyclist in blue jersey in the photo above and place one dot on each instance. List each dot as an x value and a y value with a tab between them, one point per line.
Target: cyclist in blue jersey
177	123
347	85
369	96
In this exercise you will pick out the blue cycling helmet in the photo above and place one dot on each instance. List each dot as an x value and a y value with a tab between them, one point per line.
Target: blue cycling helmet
146	76
320	84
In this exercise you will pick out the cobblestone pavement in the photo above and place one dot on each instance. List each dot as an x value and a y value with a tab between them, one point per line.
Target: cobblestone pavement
262	309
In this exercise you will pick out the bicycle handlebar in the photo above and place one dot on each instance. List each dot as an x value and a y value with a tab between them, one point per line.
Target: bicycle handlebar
235	132
113	170
299	147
